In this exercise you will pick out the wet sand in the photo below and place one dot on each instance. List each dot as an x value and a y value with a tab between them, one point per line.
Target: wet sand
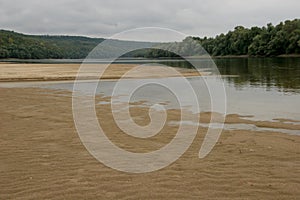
42	156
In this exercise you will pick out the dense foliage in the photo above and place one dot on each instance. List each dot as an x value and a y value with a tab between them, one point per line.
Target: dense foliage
16	45
266	41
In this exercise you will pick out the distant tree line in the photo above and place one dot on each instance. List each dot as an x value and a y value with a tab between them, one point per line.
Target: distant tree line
283	38
16	45
266	41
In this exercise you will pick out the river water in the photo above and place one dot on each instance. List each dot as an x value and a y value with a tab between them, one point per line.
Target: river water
265	88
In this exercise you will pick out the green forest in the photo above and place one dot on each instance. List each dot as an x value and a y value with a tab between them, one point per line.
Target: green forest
16	45
266	41
283	38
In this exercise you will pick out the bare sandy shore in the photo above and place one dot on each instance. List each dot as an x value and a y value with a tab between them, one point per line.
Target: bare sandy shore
42	157
58	72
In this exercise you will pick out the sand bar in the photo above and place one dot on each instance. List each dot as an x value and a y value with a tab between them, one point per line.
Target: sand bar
16	72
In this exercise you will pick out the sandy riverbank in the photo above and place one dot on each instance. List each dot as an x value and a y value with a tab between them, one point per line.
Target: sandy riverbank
58	72
42	157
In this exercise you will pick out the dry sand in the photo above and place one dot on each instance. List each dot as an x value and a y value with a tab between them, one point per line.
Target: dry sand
57	72
41	157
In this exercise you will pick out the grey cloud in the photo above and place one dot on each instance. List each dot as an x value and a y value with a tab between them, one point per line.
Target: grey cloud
102	18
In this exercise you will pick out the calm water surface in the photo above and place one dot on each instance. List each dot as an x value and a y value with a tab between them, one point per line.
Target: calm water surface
266	88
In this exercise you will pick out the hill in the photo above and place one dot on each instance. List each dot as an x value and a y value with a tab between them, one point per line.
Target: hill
17	45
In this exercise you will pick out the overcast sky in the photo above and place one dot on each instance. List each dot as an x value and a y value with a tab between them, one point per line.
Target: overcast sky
102	18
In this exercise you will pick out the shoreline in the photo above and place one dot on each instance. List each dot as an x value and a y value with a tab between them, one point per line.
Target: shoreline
262	57
79	61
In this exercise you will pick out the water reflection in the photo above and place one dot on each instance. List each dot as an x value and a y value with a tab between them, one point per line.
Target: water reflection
280	73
